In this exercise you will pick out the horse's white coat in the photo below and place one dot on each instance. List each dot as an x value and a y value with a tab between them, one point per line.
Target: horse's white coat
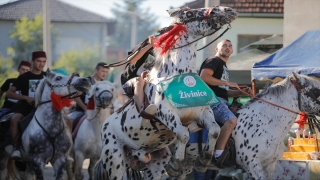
35	141
128	138
262	127
88	144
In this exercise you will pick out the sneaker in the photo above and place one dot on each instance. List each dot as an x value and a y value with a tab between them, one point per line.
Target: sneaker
151	109
16	154
70	159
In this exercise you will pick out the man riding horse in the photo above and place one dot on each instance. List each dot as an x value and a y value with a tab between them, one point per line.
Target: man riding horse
24	66
26	98
134	84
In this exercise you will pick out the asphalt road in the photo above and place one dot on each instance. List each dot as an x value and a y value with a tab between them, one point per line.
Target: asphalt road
49	173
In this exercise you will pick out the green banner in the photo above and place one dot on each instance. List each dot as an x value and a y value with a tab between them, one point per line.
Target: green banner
188	90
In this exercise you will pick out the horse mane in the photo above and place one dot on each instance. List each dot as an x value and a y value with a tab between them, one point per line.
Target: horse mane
39	91
169	39
275	89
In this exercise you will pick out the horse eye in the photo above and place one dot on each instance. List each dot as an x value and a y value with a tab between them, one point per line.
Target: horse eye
97	89
58	78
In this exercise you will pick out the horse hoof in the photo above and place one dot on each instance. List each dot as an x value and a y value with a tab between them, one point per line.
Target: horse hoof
200	166
172	171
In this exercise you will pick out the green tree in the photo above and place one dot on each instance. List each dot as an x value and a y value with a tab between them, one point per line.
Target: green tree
28	37
7	71
82	61
146	23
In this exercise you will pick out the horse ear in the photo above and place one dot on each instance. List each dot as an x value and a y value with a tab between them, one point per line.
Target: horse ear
295	78
174	12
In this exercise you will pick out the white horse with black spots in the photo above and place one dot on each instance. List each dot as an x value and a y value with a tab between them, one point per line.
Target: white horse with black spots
131	141
262	127
47	139
88	144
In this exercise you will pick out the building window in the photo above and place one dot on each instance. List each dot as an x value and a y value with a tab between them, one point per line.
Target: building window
246	39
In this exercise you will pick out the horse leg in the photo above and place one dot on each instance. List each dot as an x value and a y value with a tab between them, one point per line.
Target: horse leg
38	166
79	158
114	159
155	168
3	163
205	156
93	161
58	165
255	169
173	122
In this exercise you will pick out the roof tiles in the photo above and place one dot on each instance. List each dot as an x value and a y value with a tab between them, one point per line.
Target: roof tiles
59	11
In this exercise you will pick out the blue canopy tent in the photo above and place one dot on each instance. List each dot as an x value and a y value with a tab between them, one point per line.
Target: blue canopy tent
301	56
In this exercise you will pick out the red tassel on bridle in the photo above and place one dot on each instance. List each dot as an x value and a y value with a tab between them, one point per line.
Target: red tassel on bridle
58	102
169	39
302	120
90	105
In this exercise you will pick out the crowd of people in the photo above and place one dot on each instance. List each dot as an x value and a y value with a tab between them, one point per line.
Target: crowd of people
213	71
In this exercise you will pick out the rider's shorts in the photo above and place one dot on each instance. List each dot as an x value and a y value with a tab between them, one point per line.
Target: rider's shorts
24	108
221	111
4	111
75	114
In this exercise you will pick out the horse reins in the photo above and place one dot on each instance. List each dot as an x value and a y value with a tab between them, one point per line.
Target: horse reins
166	29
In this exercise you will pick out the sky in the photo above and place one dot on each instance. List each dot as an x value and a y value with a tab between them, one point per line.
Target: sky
102	7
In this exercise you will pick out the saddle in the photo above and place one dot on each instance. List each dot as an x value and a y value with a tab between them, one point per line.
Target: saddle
76	125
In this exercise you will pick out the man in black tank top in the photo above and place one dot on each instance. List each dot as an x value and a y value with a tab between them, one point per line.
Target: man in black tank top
132	82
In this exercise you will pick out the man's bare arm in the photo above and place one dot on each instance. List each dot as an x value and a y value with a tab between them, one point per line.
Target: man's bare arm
11	93
80	103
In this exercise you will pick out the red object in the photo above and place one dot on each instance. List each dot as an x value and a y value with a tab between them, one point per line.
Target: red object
207	14
58	102
302	120
169	39
38	54
90	105
24	63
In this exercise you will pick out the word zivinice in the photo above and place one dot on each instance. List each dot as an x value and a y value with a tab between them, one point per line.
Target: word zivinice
184	94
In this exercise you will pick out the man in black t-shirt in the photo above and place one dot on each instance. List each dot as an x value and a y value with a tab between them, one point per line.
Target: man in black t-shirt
8	104
26	84
215	74
100	72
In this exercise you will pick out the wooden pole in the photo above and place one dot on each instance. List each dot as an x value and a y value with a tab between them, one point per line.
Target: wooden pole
253	87
46	31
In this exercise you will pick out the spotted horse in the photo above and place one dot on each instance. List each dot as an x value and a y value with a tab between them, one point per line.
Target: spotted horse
132	141
261	127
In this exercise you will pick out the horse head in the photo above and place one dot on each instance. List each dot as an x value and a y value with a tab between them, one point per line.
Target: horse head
102	94
308	93
61	85
176	47
203	21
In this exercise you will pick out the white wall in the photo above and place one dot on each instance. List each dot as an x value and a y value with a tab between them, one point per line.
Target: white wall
245	26
300	17
5	41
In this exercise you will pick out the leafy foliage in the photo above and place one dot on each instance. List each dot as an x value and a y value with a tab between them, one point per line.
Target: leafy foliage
146	23
28	37
82	61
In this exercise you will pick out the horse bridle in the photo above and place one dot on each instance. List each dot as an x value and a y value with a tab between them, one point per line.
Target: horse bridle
52	86
68	85
99	99
191	16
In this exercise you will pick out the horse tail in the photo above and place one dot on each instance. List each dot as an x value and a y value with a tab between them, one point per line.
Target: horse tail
99	171
11	169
